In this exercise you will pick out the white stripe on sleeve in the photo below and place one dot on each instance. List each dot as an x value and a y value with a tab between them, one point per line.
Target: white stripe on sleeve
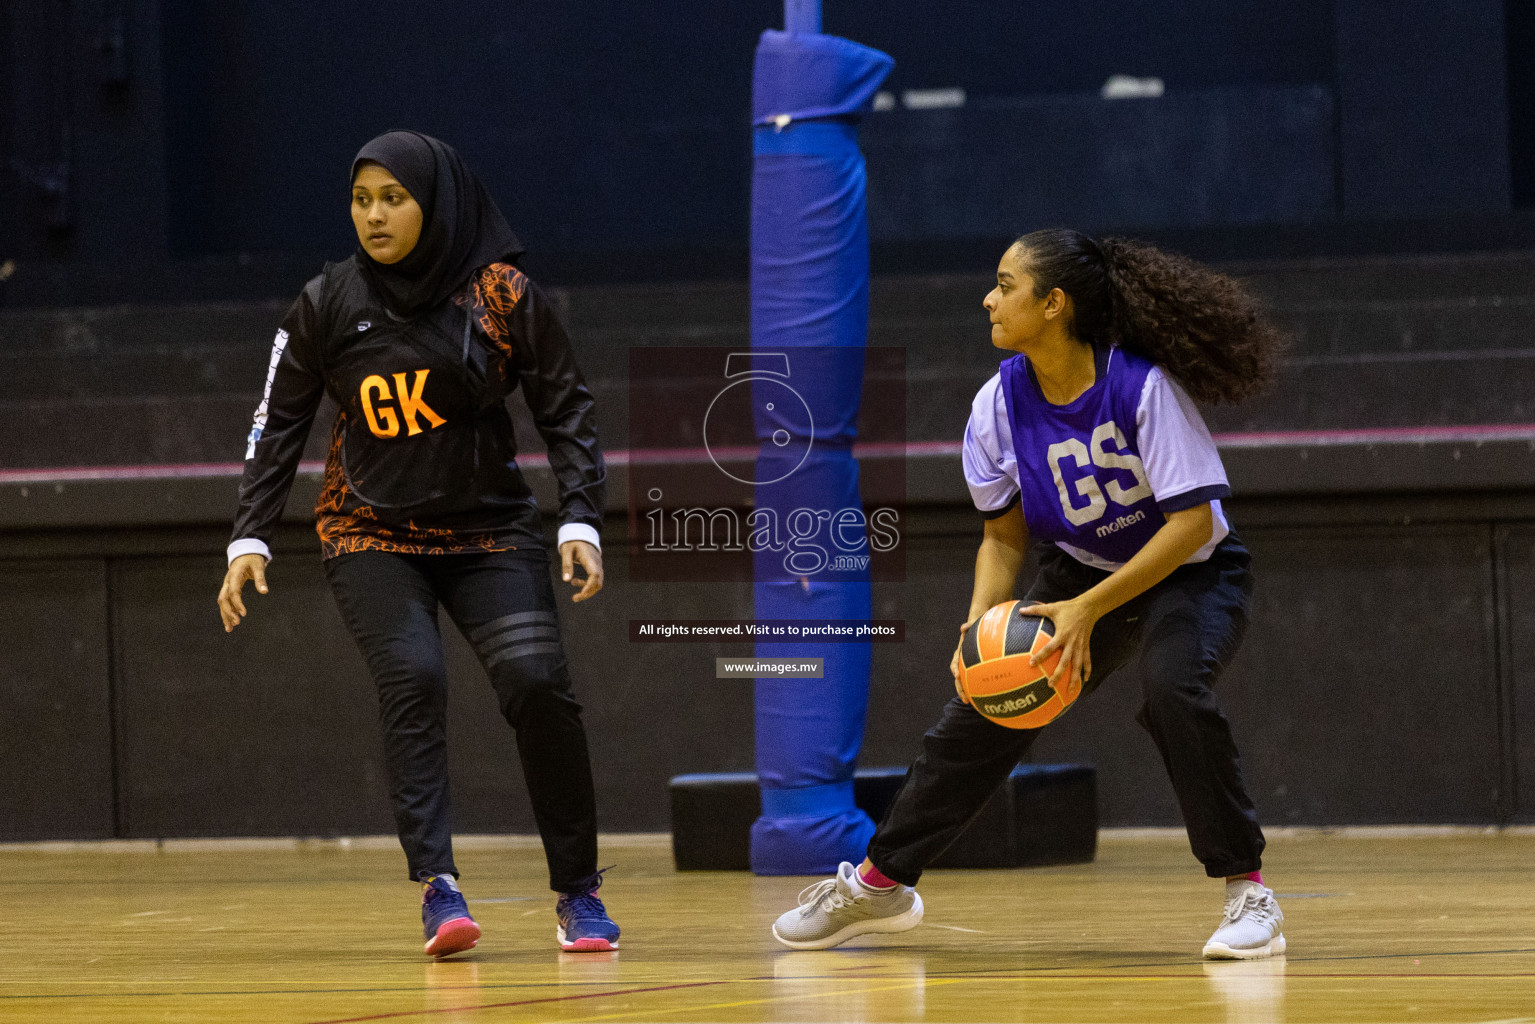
278	344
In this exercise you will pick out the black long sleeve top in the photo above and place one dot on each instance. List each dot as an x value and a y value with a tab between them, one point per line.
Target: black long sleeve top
423	458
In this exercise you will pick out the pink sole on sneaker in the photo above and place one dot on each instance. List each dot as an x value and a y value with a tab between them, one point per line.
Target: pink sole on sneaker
453	936
587	945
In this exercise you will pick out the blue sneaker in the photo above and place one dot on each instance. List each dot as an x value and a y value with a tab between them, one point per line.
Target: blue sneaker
445	918
584	922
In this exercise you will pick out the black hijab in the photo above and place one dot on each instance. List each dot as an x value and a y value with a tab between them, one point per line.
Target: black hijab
461	228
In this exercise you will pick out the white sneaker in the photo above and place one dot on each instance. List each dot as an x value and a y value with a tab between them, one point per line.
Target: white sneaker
1250	928
836	909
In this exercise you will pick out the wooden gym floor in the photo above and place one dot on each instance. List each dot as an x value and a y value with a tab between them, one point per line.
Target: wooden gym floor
1382	926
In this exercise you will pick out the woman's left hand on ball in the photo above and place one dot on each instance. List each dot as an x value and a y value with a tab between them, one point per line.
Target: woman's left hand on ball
1074	621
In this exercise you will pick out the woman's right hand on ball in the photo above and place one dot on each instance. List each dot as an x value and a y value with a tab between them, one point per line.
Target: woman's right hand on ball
231	606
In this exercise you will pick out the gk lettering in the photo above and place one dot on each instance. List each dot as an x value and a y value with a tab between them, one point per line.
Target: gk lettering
381	416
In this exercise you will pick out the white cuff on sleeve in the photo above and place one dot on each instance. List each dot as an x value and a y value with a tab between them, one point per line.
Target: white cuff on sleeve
579	531
249	546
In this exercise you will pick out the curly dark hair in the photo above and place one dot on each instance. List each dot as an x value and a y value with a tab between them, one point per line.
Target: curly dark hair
1202	327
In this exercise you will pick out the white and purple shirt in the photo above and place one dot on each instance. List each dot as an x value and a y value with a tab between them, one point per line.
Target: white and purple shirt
1095	476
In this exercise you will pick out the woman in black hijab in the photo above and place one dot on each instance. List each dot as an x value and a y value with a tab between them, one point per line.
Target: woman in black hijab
462	229
419	338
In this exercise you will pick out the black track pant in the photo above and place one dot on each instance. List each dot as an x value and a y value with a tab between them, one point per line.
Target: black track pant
1182	632
503	603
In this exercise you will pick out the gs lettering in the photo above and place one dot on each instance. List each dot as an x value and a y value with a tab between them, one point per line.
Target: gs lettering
1106	450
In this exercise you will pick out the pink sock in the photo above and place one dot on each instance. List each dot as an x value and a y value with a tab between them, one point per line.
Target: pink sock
1251	876
873	879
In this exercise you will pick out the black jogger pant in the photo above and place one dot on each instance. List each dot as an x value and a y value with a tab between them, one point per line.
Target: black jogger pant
1183	632
503	603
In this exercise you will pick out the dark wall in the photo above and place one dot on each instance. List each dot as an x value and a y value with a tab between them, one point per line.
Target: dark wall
1057	46
85	175
1520	43
597	126
58	757
1422	99
1382	343
215	138
642	108
212	727
1515	546
1385	677
1209	157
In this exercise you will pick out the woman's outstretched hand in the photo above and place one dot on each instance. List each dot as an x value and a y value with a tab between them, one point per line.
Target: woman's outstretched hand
573	551
231	606
1074	621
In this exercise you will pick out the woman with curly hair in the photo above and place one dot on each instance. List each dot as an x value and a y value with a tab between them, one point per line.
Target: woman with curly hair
421	336
1088	441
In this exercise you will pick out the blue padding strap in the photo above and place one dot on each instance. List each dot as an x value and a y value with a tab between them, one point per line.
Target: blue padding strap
813	75
808	801
805	138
